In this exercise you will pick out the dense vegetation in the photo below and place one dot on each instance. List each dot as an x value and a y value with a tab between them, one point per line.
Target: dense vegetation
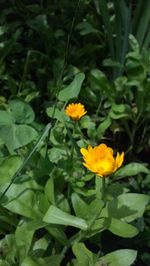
54	211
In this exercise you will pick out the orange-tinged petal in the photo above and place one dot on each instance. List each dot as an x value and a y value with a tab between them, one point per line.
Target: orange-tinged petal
75	111
100	159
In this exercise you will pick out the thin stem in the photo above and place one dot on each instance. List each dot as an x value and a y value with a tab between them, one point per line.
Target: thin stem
103	189
73	134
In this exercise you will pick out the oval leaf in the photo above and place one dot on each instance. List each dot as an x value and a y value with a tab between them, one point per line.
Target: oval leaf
122	257
120	228
73	89
131	169
56	216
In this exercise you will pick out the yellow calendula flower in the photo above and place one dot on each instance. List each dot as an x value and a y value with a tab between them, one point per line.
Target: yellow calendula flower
100	160
75	111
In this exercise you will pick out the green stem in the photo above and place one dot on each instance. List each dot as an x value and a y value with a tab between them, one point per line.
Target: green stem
103	189
73	134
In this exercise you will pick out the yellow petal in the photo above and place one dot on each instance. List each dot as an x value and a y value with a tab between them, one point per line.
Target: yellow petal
84	152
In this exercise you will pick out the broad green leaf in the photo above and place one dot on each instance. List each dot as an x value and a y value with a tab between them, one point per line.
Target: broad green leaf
120	228
9	167
79	206
131	169
56	216
25	205
98	226
16	136
21	111
6	118
84	256
23	199
122	257
95	208
23	237
55	113
130	206
73	89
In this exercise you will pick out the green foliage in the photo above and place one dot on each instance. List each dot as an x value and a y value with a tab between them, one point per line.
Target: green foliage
73	89
124	257
9	167
57	216
53	211
14	129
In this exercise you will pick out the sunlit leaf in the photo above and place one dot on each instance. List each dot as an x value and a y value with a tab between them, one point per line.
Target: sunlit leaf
122	257
56	216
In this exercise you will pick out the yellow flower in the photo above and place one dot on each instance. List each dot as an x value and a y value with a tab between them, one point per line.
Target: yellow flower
75	111
100	160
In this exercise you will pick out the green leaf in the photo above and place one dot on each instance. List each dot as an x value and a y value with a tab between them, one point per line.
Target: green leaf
8	248
49	190
59	115
118	108
103	127
73	89
57	232
29	261
84	256
98	226
120	228
21	111
23	238
6	118
95	207
86	28
57	216
129	206
79	206
131	169
53	260
9	167
40	246
100	79
55	154
16	136
122	257
23	199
